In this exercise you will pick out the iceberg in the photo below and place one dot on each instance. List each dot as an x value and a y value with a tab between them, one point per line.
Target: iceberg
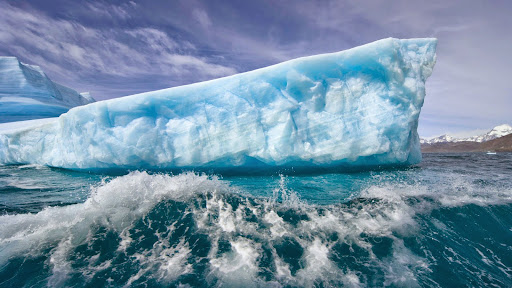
354	108
27	93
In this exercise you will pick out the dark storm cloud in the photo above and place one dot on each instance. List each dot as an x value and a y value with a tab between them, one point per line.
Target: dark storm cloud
122	47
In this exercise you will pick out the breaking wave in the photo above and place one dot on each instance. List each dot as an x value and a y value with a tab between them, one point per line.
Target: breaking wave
197	230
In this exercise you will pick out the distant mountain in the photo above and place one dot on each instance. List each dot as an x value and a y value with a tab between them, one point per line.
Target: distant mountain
474	144
27	93
502	144
496	132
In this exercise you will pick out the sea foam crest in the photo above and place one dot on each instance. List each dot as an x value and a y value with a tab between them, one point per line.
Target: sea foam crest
114	204
199	228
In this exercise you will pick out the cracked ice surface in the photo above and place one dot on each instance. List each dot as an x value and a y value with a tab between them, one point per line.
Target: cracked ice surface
358	107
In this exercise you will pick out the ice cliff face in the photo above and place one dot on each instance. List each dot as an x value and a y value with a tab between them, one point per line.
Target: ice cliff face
27	93
358	107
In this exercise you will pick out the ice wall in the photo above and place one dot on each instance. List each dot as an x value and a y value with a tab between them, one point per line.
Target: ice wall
27	93
358	107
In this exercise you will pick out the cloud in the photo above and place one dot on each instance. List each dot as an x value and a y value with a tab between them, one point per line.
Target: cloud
70	48
201	17
158	44
112	11
468	89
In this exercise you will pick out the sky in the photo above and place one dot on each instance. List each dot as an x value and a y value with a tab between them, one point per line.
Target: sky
119	48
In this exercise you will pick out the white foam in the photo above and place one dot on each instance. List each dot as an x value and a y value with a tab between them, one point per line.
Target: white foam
239	267
403	267
383	211
456	190
380	219
114	204
318	265
277	224
165	262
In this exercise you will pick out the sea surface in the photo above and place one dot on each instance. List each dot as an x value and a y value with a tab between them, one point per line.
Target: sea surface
446	222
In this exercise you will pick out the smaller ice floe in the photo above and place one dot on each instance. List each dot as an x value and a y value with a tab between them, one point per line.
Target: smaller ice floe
27	93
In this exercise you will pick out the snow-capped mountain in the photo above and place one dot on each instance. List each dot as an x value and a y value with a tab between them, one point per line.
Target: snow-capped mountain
496	132
441	139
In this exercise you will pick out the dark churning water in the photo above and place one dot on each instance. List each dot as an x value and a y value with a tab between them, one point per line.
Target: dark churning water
444	223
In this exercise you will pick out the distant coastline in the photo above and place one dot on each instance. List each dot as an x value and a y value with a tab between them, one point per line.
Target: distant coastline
502	144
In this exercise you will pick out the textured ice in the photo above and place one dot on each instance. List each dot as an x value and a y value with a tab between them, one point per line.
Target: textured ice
358	107
27	93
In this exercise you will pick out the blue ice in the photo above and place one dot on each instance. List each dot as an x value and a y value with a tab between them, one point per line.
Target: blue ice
27	93
354	108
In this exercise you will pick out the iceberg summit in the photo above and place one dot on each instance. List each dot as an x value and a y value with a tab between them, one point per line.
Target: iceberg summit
354	108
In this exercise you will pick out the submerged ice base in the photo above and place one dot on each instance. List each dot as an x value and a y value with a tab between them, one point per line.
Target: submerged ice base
358	107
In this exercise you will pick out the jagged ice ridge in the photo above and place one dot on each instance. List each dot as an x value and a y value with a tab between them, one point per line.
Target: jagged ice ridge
27	93
358	107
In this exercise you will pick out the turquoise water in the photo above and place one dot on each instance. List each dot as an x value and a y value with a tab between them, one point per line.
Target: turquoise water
444	223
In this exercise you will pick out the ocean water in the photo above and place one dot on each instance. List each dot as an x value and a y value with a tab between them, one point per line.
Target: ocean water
446	222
